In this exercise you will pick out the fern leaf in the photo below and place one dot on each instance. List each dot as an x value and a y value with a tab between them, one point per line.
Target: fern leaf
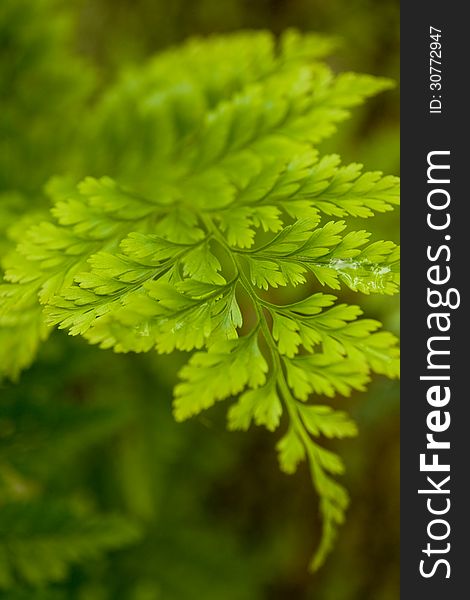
209	194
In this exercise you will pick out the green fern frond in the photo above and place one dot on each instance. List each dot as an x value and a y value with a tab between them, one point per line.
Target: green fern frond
213	195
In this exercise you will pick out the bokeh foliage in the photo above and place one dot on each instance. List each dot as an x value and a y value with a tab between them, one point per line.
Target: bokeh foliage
205	512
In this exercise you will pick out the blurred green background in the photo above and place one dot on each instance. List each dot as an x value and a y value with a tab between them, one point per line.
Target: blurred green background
218	520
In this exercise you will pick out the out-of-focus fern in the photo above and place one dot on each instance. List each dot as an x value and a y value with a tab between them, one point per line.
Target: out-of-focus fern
40	443
39	541
48	523
37	91
206	193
